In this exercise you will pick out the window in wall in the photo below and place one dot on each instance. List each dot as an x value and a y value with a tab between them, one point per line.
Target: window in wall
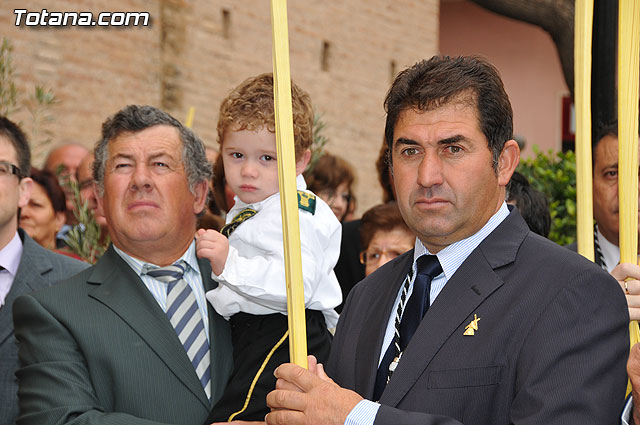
324	59
226	23
392	70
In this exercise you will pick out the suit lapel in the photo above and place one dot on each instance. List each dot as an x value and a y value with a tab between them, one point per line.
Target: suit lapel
120	289
376	319
33	265
471	284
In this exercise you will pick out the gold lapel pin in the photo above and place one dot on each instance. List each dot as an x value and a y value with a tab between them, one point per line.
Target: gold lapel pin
472	327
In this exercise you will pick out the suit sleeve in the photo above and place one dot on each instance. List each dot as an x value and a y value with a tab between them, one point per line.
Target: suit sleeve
579	341
54	385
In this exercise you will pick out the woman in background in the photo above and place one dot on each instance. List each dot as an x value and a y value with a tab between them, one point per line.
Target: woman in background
383	235
45	213
332	179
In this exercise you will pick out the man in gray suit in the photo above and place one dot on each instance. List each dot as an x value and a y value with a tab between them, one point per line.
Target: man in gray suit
131	340
24	265
484	322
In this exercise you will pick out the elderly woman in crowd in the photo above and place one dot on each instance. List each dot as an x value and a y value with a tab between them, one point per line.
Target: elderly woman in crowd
45	213
384	236
331	179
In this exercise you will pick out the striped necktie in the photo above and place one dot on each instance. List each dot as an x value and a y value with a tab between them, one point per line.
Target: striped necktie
185	317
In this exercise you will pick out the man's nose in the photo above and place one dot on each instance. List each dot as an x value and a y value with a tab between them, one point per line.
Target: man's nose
141	178
430	170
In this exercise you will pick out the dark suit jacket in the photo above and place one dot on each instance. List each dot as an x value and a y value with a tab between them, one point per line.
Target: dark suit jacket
38	268
597	257
97	349
551	345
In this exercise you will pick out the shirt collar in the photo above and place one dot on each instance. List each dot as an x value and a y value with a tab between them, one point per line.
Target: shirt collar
452	257
11	254
610	251
137	265
238	206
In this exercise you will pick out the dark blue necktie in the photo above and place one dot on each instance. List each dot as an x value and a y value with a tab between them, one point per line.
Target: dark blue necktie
427	267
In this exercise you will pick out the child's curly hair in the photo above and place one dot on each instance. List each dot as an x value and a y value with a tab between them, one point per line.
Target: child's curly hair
249	106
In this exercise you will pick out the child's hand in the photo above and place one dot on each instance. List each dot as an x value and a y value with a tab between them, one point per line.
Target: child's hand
214	247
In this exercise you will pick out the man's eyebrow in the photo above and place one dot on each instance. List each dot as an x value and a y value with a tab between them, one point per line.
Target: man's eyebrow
156	155
453	139
122	155
405	141
447	141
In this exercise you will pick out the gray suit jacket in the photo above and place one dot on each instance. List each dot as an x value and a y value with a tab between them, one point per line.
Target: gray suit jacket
97	349
38	268
551	345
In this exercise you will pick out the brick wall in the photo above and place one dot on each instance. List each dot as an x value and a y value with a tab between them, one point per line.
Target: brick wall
196	50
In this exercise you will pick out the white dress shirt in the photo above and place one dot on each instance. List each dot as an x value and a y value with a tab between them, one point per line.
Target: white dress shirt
610	252
451	258
626	413
253	280
10	256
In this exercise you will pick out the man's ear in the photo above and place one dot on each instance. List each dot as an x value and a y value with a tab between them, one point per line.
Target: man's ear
200	193
24	191
99	199
302	163
508	161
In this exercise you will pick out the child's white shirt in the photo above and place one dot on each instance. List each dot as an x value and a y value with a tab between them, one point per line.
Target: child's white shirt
253	279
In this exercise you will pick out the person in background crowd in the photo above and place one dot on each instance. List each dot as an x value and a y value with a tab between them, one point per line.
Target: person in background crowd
332	180
63	161
84	176
25	266
605	196
384	236
531	203
44	215
349	269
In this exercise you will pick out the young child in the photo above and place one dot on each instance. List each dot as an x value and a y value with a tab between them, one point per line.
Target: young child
249	265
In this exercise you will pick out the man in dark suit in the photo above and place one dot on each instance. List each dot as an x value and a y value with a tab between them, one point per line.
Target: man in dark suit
131	340
605	197
483	322
24	265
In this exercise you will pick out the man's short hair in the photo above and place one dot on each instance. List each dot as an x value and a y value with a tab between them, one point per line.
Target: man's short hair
135	118
433	83
19	141
249	106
